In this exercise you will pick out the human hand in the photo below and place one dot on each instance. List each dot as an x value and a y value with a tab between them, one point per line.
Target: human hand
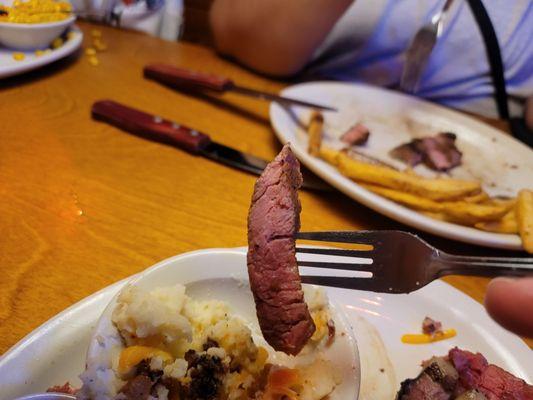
510	303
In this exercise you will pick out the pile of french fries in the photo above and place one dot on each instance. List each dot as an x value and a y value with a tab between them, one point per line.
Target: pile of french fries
452	200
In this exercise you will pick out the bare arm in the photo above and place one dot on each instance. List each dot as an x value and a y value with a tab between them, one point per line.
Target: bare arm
277	37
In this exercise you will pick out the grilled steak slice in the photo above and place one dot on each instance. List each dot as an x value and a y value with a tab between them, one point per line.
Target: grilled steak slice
495	383
437	152
463	375
357	135
273	221
407	153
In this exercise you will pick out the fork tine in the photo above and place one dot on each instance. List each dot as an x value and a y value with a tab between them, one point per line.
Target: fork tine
342	282
333	265
363	237
335	252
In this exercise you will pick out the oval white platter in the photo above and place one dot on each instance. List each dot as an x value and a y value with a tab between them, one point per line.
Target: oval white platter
500	162
55	352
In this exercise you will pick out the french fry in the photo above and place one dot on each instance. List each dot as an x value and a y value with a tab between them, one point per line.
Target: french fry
524	216
434	189
453	211
329	155
507	224
407	199
477	198
470	214
314	131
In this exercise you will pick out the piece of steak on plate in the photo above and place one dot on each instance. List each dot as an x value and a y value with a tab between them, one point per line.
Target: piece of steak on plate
356	135
494	382
463	375
273	221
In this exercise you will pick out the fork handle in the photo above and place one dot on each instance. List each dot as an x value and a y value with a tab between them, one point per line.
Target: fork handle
479	266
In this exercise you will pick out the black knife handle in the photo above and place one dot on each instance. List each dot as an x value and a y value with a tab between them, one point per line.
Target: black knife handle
149	126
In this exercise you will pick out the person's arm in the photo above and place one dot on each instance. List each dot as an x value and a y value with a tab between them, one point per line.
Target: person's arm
276	37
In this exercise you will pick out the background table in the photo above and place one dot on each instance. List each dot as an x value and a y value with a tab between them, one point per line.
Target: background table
83	205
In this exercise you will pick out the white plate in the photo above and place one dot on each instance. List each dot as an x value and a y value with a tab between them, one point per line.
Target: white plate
55	352
11	67
503	164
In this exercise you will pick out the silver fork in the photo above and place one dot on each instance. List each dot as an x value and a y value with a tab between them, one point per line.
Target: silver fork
399	262
419	50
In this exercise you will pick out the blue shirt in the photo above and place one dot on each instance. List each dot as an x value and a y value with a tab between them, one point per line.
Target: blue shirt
369	41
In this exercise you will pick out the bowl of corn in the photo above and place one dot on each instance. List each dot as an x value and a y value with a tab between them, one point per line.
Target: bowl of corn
33	24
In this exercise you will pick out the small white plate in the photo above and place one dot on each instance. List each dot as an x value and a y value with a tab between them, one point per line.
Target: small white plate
55	352
499	161
11	67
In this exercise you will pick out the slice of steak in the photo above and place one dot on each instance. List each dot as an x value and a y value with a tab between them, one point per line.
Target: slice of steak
407	153
464	376
356	135
494	382
437	152
273	221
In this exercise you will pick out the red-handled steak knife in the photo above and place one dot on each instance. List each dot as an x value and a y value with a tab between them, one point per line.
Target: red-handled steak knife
179	77
161	130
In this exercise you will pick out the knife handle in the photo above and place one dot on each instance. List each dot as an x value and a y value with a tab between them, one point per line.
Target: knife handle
150	126
185	78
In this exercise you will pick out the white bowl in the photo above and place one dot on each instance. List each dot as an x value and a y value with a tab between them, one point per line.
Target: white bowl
32	36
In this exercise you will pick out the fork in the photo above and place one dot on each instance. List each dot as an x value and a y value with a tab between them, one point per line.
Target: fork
419	50
399	262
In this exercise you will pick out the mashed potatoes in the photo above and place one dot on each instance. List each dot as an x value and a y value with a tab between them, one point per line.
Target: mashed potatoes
174	347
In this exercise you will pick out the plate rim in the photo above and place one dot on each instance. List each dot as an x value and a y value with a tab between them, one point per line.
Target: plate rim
506	341
385	206
67	49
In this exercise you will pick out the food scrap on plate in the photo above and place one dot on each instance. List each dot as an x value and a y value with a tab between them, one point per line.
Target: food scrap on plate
457	201
356	135
431	332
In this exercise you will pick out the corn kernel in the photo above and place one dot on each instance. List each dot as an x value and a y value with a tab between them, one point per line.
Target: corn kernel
90	51
93	60
96	33
35	11
57	43
39	53
19	56
99	45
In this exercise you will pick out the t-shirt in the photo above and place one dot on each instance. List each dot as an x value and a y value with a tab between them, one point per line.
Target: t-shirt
369	42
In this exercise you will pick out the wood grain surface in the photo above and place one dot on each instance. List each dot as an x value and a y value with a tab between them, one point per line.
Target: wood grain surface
83	205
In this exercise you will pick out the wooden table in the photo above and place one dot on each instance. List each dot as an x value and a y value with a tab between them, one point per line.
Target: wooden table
83	205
